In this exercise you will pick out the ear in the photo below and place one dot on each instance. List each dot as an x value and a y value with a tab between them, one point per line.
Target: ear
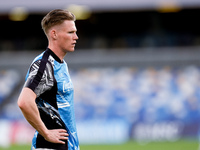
53	34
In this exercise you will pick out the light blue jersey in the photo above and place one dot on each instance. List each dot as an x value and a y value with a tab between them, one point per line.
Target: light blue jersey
49	78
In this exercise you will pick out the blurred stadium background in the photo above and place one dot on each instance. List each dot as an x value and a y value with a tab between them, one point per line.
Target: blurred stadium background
135	70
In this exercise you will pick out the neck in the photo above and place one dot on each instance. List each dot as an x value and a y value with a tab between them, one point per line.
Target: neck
58	52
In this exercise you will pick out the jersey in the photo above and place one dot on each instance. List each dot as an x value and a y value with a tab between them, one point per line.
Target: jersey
49	79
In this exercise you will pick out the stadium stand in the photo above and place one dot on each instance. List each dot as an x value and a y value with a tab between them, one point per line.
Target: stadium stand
147	95
9	79
129	94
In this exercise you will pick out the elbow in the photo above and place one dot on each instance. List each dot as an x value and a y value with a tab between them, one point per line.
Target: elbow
26	99
21	104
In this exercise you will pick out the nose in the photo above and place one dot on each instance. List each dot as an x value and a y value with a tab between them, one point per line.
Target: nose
75	36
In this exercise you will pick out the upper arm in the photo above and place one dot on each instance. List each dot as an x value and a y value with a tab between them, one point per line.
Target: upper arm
26	96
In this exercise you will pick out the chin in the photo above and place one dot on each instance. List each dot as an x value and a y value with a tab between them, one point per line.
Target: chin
70	50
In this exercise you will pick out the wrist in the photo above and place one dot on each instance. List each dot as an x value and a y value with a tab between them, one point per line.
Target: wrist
43	131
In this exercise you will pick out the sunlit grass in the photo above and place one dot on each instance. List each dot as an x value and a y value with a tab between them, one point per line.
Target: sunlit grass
131	145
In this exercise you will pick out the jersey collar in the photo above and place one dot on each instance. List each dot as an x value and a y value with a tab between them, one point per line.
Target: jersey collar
54	55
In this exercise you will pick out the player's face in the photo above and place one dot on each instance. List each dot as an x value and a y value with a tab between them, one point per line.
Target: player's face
67	36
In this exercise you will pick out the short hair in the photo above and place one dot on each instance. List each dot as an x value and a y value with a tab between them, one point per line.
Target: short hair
56	17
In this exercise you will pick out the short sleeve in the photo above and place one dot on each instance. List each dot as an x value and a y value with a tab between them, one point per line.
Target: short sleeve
40	77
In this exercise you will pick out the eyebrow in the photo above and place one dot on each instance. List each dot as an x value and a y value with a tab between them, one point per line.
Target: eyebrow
73	30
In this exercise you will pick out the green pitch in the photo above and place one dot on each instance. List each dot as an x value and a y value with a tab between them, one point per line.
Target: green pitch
178	145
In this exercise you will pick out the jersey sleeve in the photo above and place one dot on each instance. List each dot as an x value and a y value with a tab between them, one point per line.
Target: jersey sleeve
40	77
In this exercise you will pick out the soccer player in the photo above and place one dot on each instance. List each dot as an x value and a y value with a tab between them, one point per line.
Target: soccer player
46	99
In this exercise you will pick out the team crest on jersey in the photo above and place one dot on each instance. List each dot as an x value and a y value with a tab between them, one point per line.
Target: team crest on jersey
67	86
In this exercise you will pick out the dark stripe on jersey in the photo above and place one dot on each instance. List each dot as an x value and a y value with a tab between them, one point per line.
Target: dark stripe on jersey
40	72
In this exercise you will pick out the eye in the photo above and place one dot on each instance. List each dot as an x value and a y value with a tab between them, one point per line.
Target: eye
71	32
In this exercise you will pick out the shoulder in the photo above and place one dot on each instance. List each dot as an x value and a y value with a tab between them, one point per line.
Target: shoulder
41	62
40	76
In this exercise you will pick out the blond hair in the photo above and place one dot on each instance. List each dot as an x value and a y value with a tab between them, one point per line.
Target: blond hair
56	17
